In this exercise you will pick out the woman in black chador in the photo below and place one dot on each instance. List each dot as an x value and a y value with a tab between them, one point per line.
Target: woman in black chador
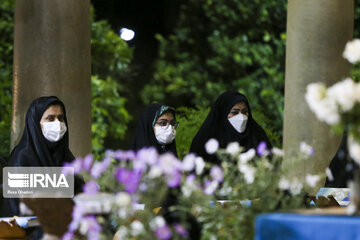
44	143
230	120
156	128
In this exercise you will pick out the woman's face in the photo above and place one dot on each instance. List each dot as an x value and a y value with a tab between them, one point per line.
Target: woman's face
164	120
52	113
239	107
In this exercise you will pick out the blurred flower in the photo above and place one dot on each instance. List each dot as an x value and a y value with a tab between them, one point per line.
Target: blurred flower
278	152
329	174
122	199
136	228
233	148
121	233
87	162
284	184
123	155
163	232
217	174
91	187
129	178
181	230
354	149
90	226
261	149
148	155
210	187
77	165
311	180
211	146
346	93
247	156
158	221
295	187
199	165
352	51
68	236
173	180
169	163
77	215
188	163
306	149
67	169
189	186
155	171
248	171
325	108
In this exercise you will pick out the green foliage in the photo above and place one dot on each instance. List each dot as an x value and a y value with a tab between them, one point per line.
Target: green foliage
224	45
108	113
110	62
190	121
6	60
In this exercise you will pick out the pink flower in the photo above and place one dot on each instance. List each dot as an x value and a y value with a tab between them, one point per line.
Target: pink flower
163	232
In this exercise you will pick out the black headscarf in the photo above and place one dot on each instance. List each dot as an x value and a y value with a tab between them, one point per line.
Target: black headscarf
34	149
217	125
145	136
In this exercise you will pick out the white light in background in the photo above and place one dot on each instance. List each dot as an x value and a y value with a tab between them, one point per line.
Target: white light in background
127	34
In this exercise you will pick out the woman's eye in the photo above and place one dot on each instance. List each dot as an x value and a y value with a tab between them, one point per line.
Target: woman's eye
235	113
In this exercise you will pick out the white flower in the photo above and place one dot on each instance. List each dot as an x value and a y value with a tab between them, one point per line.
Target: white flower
329	174
295	187
155	171
211	187
311	180
277	151
169	163
325	108
306	149
352	51
249	172
247	156
136	228
345	93
233	148
217	173
211	146
123	199
156	222
284	184
354	149
121	233
189	185
188	163
199	165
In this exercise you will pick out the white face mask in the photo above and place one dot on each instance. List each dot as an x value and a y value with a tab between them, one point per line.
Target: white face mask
239	122
165	136
53	131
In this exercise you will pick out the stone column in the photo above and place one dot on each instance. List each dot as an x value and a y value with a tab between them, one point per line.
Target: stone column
52	57
317	31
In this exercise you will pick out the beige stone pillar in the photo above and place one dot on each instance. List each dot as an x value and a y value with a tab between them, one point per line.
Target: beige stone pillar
52	57
317	31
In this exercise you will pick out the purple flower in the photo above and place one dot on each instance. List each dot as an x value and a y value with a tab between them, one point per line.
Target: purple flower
77	165
169	163
217	174
77	215
129	178
91	187
188	163
191	178
67	169
261	149
87	162
99	167
147	155
68	236
181	230
174	179
124	155
90	226
163	232
210	187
